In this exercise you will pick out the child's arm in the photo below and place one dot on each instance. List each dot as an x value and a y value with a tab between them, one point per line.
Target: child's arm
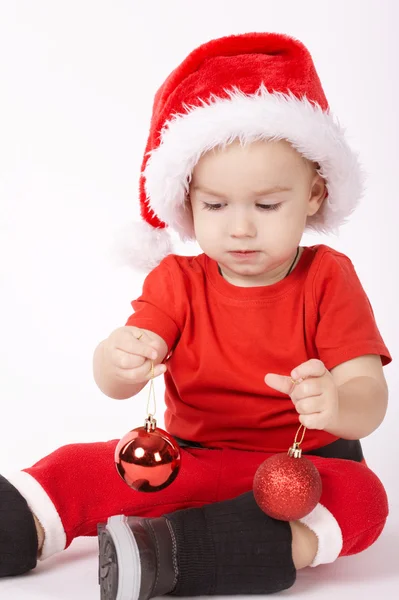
362	397
350	401
345	392
122	362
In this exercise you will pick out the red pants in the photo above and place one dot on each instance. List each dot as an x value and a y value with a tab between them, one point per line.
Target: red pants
77	486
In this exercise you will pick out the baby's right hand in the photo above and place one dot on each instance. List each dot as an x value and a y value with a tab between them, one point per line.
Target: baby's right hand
131	358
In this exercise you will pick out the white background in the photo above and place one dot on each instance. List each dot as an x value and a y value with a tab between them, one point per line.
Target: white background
77	81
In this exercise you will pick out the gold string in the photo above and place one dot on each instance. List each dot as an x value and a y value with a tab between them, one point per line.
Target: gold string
151	391
303	434
295	382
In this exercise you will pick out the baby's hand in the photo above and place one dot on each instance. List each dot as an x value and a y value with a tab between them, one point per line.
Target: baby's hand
129	352
313	391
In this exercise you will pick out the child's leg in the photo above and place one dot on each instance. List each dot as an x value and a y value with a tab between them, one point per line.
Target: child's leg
349	518
353	507
228	547
77	486
352	512
232	547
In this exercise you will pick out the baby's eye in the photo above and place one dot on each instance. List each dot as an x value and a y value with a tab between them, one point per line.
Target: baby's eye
269	206
265	207
208	206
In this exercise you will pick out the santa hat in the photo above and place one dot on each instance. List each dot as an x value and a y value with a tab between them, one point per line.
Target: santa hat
248	87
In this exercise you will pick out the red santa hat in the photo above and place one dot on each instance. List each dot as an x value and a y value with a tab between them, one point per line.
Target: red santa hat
248	87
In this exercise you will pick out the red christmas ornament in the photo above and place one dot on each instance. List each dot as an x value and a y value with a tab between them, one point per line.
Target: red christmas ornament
147	458
287	486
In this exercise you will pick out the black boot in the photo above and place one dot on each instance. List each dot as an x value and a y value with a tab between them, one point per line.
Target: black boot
136	558
229	547
18	536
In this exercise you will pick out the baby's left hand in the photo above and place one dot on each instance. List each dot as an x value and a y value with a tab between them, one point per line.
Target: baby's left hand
314	393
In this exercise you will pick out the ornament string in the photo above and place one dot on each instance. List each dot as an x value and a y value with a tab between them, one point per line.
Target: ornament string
296	451
150	421
151	394
297	433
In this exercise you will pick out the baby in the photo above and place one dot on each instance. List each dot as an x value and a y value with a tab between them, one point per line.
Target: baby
254	337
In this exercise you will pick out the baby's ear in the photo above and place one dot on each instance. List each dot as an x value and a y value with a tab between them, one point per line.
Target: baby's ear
318	193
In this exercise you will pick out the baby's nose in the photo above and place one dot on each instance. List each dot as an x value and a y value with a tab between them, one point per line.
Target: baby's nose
242	227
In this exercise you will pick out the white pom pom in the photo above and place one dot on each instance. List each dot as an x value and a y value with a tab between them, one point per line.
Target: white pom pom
141	246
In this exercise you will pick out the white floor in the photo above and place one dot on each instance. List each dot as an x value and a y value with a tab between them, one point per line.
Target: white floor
73	575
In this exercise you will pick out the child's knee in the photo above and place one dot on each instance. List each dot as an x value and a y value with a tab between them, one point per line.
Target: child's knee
357	499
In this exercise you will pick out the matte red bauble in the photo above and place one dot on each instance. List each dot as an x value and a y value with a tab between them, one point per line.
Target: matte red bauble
287	486
147	458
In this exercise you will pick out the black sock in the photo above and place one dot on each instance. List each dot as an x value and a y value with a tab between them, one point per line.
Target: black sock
231	547
18	536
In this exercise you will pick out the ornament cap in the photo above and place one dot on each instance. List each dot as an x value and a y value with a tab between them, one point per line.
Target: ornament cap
150	423
295	451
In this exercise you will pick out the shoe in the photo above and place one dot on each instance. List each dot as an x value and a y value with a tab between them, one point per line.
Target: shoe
136	558
18	536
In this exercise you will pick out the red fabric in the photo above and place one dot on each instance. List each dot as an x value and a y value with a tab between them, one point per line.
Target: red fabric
85	488
280	62
224	339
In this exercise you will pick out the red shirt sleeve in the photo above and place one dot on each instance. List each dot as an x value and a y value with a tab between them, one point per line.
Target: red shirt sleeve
155	308
346	326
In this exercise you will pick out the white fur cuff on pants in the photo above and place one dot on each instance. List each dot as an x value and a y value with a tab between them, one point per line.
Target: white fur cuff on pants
42	507
328	534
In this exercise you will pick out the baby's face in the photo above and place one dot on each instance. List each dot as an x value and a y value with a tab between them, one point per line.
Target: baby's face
254	197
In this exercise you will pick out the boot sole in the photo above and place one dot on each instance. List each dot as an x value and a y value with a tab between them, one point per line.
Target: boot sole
119	571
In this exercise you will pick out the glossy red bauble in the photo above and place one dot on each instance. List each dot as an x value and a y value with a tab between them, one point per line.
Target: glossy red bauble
287	488
148	461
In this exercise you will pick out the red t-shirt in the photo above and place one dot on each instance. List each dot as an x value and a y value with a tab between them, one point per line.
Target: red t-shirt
223	339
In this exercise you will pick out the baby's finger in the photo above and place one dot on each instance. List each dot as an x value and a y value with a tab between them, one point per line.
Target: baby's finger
143	373
127	360
309	406
313	421
281	383
310	368
139	344
158	370
306	388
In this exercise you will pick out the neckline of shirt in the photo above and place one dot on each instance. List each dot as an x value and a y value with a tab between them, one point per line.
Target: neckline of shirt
258	292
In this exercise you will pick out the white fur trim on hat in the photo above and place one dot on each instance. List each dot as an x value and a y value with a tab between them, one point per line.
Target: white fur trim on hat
264	115
141	245
328	534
